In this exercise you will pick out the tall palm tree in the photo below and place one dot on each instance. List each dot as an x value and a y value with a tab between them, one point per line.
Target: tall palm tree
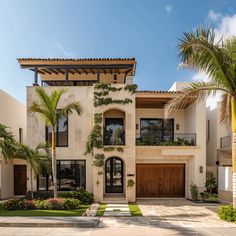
199	50
8	145
38	159
47	106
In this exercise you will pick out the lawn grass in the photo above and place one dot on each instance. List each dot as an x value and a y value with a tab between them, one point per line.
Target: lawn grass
134	209
77	212
101	209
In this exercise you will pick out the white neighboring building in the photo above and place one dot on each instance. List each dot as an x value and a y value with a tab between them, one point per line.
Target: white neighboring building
13	175
219	152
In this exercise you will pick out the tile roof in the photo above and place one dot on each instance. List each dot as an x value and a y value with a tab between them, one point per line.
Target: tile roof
158	91
77	59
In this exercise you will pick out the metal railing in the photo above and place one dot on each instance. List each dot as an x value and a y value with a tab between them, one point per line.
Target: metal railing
226	142
157	139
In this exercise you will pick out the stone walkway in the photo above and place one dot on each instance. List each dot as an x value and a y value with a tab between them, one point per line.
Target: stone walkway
114	210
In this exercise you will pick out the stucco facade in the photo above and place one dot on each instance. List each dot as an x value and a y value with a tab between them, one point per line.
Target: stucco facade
163	152
12	115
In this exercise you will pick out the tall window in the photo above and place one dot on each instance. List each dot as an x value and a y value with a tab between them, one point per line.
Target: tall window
71	175
114	133
20	135
61	132
156	130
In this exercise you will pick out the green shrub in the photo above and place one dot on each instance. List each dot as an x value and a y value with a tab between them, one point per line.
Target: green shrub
41	194
70	204
53	204
15	204
84	196
194	191
227	213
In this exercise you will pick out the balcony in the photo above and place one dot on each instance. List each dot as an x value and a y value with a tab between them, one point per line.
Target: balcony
154	139
226	142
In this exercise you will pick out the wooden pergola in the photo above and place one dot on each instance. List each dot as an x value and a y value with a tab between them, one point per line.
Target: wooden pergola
67	67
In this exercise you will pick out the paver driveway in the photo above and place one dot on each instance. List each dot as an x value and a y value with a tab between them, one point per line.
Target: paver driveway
181	212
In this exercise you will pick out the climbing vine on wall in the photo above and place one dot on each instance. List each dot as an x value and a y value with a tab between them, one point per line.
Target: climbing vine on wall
95	136
101	91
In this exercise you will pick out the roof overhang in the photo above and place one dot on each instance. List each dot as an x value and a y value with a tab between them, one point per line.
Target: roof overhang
154	98
125	66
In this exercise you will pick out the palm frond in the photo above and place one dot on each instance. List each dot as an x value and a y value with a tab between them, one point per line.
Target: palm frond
70	107
198	51
225	109
55	97
195	92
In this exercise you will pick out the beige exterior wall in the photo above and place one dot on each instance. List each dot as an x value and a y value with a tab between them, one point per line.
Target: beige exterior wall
12	115
190	120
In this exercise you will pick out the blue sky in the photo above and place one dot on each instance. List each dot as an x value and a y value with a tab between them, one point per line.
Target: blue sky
145	29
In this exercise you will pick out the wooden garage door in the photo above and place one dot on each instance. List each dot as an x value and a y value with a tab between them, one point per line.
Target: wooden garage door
160	180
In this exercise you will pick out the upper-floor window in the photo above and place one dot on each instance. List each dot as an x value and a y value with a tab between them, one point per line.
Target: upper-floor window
114	133
20	135
156	130
61	132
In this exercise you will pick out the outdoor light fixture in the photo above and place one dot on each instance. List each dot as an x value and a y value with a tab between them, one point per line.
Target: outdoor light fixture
201	169
177	126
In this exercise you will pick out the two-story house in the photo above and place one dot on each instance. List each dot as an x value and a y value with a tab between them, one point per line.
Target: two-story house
13	173
142	153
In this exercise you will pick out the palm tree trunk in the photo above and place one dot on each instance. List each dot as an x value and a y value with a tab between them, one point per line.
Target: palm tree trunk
54	164
31	182
233	108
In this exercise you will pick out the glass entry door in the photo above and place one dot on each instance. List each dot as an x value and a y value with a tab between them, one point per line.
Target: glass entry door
114	175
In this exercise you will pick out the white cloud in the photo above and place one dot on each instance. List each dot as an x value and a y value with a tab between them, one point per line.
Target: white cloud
214	16
169	9
63	51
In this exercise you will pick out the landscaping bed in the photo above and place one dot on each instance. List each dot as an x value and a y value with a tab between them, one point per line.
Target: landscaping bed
39	203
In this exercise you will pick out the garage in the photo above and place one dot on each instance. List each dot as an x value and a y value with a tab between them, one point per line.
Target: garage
160	180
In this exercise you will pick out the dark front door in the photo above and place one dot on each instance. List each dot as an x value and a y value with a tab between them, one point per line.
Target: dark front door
160	180
20	179
114	175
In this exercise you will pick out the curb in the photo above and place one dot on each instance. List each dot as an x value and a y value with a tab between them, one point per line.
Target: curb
78	224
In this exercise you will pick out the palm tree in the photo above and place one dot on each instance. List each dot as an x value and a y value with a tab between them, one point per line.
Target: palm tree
48	109
199	50
38	159
8	145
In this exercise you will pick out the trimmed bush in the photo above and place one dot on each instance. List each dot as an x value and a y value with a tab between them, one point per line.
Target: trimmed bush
15	204
49	204
227	213
70	204
84	196
41	194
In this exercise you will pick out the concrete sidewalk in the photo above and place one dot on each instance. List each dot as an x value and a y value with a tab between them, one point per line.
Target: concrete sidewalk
49	221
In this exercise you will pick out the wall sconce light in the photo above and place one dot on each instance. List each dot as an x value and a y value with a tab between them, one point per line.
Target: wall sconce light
177	126
201	169
136	126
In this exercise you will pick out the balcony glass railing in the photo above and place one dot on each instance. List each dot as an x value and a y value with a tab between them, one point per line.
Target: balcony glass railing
155	139
226	142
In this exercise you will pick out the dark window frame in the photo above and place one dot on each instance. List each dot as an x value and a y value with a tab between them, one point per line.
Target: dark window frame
21	135
57	136
104	130
59	180
162	128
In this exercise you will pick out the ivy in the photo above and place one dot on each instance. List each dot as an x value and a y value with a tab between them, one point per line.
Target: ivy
95	136
110	149
106	87
119	149
99	160
131	87
106	101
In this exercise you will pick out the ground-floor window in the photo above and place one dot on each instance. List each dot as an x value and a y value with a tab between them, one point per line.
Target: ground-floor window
71	175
